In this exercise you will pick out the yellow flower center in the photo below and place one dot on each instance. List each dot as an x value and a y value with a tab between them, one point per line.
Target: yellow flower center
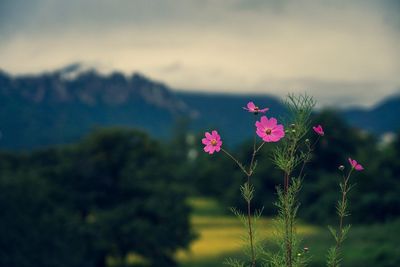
268	131
214	142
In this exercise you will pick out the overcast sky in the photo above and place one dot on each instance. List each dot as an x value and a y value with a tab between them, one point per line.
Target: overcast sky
343	52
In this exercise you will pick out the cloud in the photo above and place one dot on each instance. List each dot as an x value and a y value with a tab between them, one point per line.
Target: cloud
336	50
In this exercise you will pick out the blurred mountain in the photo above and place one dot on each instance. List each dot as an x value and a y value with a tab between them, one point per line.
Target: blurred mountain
382	118
59	107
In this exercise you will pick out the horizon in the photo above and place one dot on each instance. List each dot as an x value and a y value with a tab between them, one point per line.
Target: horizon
79	68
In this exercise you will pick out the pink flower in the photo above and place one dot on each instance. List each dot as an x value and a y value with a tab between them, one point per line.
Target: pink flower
251	107
269	130
357	166
319	130
212	142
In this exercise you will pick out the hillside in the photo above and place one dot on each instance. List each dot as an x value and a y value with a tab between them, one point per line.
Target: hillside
61	106
384	117
54	108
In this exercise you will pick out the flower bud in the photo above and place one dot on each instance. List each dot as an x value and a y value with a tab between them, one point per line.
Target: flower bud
307	141
293	131
293	125
341	167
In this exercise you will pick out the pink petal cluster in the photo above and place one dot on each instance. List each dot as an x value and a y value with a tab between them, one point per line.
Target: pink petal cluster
319	130
212	142
357	166
269	129
251	107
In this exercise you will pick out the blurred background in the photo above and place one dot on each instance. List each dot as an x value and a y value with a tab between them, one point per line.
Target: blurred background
103	105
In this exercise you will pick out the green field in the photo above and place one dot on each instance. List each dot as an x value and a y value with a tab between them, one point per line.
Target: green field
219	237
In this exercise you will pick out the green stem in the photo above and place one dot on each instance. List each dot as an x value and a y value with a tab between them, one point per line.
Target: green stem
235	160
288	230
253	256
249	216
310	150
288	212
342	210
249	173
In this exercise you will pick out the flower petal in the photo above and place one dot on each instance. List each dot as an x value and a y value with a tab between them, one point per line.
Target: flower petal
260	133
251	105
205	141
279	127
267	138
351	162
211	150
264	121
359	167
207	148
259	125
272	123
278	132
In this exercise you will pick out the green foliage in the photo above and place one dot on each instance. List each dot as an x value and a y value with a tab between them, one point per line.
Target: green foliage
334	257
285	234
234	263
287	156
291	156
35	229
365	246
114	192
247	191
374	199
245	238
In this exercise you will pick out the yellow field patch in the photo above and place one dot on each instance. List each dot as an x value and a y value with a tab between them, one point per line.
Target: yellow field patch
219	235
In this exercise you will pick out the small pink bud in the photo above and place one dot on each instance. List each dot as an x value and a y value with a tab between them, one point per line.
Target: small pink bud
319	130
354	164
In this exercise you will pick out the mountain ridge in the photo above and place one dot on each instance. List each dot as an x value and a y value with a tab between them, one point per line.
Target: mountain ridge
61	106
91	88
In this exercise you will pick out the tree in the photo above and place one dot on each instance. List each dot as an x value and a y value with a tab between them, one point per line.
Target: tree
116	191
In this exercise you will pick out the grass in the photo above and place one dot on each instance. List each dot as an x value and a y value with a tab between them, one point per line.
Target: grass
219	234
371	245
219	238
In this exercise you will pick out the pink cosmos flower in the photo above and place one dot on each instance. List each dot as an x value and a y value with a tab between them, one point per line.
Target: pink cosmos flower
319	130
212	142
269	130
357	166
251	107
